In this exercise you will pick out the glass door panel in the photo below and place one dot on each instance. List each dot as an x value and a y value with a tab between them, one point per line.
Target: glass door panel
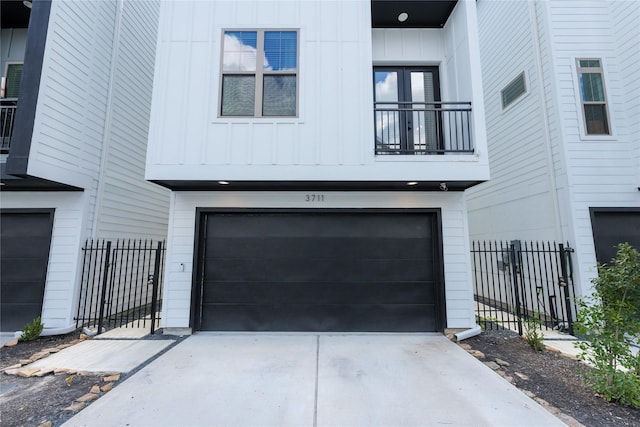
424	127
388	117
407	120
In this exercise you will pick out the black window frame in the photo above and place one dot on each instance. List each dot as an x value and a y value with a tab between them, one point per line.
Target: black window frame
404	97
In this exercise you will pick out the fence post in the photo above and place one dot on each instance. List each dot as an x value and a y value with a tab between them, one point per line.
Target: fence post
567	273
516	285
156	280
105	282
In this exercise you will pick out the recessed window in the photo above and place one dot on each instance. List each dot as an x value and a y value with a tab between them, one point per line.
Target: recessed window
593	97
259	73
13	79
514	90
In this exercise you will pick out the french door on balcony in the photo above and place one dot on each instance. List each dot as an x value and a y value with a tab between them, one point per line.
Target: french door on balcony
406	110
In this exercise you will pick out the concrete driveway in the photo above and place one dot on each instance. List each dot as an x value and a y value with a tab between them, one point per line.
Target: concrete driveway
315	380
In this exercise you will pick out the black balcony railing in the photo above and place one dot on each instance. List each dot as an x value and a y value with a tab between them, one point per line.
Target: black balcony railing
423	128
7	119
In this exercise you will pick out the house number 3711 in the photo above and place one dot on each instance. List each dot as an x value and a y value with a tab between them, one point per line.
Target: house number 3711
314	197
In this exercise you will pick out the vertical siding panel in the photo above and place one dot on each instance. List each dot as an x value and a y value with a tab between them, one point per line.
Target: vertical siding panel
286	147
261	143
199	82
239	137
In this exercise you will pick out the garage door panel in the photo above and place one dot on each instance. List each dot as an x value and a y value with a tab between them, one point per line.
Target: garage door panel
315	225
320	318
25	239
318	271
326	247
24	246
14	316
612	227
320	293
21	225
293	270
23	270
21	292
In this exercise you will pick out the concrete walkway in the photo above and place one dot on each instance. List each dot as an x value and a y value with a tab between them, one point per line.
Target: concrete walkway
315	380
103	355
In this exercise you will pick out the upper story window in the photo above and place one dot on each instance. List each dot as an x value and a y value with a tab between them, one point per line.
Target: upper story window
593	96
11	84
259	73
514	90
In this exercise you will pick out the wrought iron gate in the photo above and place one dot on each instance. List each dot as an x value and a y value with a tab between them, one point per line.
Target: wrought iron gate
121	284
516	281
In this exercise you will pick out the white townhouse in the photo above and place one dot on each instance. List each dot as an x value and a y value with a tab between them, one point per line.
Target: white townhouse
562	104
317	154
75	98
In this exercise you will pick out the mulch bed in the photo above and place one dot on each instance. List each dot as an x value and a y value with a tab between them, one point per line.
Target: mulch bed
553	377
36	400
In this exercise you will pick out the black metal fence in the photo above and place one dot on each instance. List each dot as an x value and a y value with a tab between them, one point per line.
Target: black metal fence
423	128
7	119
515	282
121	284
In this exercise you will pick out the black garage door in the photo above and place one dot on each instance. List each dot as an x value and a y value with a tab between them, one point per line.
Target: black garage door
340	271
25	239
612	226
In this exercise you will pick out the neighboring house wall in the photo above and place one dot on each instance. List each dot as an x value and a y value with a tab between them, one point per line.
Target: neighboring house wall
544	191
519	195
627	15
179	266
127	204
90	131
73	96
92	114
59	305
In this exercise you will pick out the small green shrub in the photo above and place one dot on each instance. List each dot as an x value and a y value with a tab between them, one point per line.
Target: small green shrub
532	334
32	330
609	321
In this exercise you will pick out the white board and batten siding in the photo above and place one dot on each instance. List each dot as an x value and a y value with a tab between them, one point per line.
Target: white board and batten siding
179	265
545	39
333	135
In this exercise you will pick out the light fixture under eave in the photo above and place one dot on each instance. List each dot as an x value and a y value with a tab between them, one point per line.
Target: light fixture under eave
223	182
410	183
403	16
27	3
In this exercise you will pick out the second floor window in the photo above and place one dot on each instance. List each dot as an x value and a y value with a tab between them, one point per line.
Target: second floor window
593	97
259	73
12	81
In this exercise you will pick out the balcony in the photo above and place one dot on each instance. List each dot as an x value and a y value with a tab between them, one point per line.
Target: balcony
7	120
423	128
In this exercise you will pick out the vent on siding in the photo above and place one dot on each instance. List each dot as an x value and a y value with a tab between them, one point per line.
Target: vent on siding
514	90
